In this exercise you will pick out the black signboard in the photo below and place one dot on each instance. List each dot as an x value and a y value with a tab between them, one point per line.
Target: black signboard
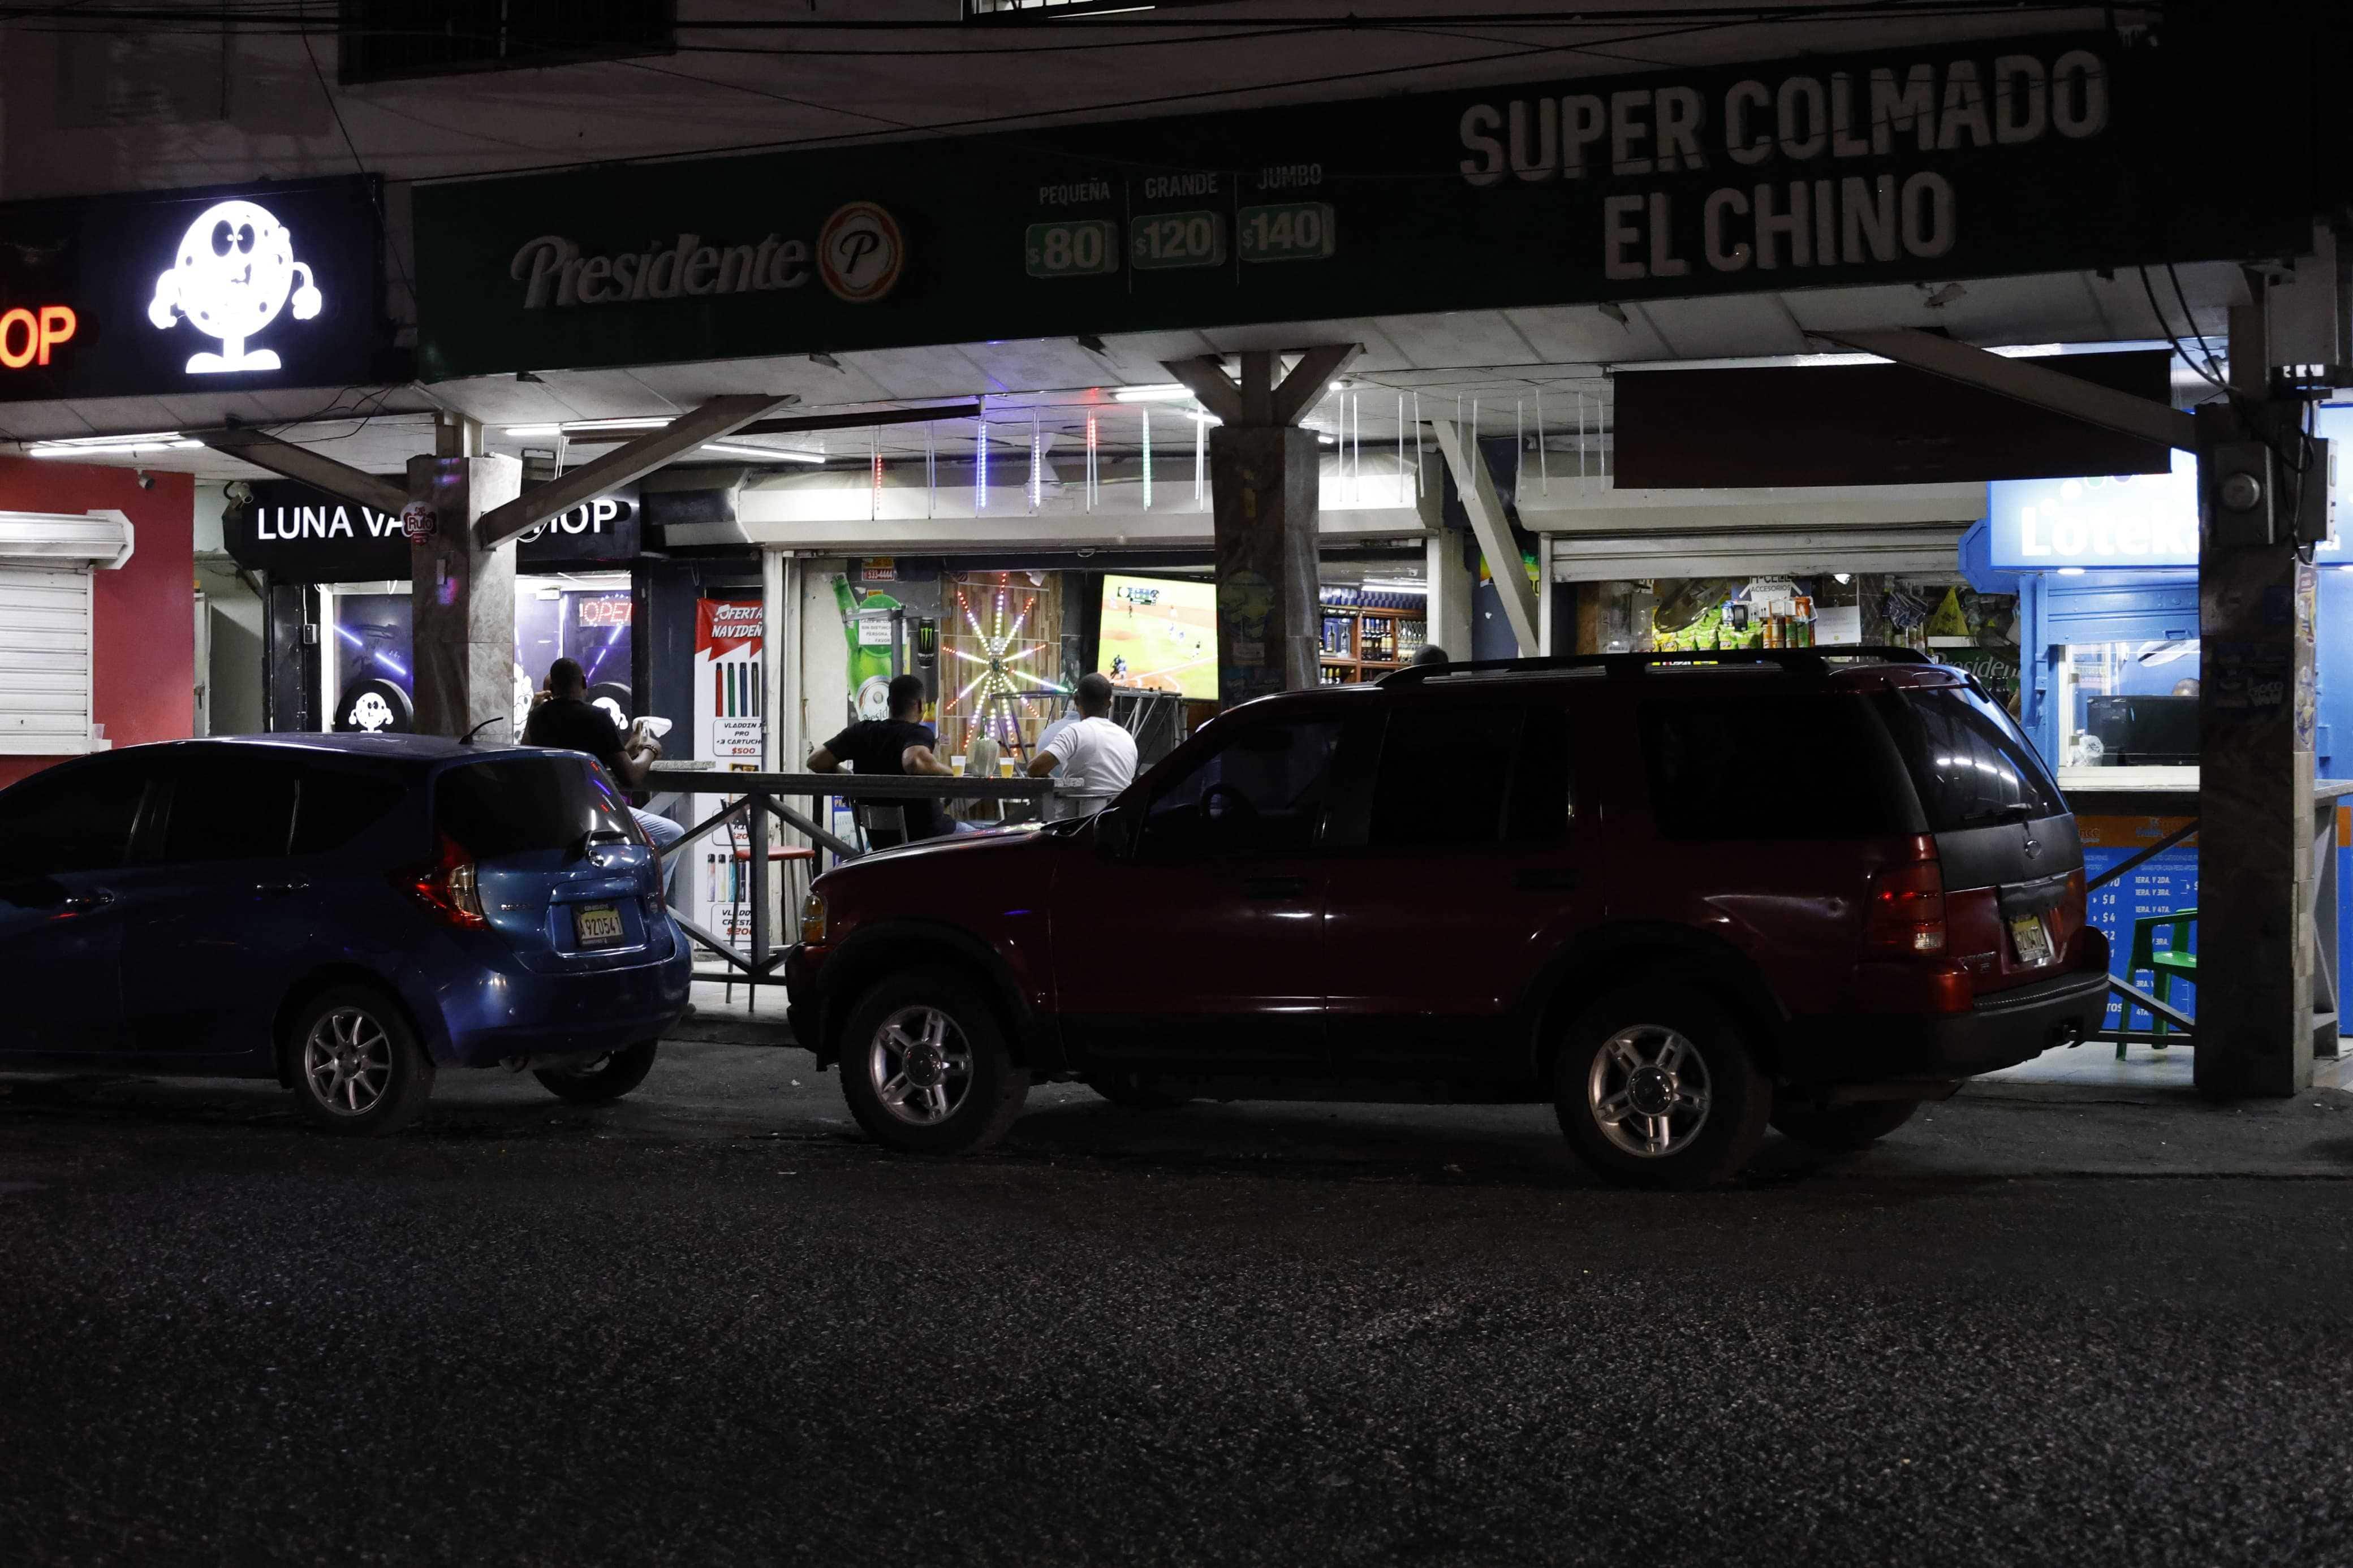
2059	152
298	535
224	290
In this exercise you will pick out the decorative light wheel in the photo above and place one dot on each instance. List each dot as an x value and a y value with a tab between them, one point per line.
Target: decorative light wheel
1007	676
347	1061
921	1065
1648	1090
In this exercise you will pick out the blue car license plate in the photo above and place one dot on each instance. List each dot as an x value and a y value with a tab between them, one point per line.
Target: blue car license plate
597	925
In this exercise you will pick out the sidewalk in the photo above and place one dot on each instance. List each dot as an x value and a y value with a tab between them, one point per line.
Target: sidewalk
2067	1114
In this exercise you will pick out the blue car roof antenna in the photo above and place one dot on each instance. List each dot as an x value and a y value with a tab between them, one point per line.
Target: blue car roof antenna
467	737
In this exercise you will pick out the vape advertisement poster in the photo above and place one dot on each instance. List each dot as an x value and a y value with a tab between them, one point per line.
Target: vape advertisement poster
729	703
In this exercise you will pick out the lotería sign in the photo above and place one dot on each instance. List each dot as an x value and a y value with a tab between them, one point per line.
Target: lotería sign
271	286
2101	523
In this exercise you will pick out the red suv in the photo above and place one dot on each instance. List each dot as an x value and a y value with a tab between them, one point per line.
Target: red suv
1680	897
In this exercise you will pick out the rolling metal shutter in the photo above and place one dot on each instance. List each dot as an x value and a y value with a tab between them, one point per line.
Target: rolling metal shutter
45	661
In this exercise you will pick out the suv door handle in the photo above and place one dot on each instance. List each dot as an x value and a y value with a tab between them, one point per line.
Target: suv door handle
1544	880
281	887
1275	886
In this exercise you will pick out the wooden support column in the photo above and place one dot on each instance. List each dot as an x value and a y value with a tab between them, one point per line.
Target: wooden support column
2255	717
1264	494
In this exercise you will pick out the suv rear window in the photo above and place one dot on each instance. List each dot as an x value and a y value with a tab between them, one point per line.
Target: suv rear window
518	805
1969	761
1773	764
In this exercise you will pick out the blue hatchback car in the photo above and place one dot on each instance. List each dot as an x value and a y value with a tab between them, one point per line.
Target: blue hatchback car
345	913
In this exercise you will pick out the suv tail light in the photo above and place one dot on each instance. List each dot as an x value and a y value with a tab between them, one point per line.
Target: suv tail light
448	887
1907	908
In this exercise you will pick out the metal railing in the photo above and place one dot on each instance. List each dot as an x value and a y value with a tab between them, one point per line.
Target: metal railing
760	804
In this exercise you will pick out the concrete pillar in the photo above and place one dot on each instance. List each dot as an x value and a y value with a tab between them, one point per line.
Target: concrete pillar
1451	580
463	596
1263	504
2256	706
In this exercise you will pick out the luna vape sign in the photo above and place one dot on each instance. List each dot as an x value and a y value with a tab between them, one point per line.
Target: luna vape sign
298	535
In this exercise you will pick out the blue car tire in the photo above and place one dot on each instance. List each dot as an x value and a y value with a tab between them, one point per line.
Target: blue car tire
358	1066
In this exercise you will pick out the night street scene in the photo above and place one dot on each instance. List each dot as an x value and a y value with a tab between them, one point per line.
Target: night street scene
1079	782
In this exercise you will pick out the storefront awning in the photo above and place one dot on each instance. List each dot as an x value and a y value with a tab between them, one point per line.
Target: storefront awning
99	540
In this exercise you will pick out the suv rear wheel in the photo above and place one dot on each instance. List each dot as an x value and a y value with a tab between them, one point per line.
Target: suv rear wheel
925	1068
1655	1086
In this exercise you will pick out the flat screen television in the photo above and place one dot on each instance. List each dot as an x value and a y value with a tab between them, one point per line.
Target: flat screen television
2145	731
1160	634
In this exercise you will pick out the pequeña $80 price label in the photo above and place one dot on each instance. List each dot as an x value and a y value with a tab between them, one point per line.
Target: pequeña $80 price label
1071	247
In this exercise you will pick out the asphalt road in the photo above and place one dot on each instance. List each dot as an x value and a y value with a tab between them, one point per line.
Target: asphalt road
715	1326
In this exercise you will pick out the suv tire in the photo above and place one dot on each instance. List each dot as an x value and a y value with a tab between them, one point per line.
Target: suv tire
1655	1086
605	1078
357	1064
1836	1128
1134	1091
925	1067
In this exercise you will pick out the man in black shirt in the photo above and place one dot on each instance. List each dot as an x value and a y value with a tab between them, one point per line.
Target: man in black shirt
563	718
899	746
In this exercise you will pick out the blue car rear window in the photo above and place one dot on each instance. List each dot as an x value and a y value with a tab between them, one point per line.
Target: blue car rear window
519	805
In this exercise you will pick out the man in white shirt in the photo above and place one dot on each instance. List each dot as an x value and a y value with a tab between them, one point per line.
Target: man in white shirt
1093	760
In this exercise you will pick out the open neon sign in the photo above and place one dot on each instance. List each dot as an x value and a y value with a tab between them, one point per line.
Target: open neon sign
28	336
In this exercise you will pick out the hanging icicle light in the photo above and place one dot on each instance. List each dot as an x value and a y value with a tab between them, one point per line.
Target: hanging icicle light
1147	457
1400	435
1095	469
980	466
931	473
874	464
1544	464
1200	463
1036	464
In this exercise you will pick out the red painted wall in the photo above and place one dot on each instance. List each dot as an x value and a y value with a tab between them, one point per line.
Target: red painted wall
144	687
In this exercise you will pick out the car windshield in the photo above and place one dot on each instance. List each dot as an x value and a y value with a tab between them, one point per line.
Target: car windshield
1969	761
519	805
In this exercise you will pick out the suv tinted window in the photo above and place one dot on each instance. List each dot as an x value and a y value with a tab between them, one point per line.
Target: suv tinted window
75	817
1969	761
337	805
1772	765
1262	791
1445	774
517	806
228	804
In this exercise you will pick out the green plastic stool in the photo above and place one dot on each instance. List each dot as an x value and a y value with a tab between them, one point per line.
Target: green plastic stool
2163	967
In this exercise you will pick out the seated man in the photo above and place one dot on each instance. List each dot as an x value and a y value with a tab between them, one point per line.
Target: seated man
1093	760
900	744
563	717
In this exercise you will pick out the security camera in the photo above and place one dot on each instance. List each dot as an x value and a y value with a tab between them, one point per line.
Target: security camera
146	479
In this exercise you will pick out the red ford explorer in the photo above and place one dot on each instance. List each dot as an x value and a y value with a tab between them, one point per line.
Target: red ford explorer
1679	896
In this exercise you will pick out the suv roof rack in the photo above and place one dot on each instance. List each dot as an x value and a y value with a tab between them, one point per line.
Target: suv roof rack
1803	660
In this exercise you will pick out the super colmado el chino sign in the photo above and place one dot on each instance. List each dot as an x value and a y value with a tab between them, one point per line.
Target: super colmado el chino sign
1806	118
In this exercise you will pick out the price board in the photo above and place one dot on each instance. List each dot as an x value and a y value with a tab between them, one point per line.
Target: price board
1071	247
1160	240
1287	231
2157	885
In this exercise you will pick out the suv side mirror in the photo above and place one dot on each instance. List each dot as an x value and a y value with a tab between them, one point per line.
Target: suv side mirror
1115	829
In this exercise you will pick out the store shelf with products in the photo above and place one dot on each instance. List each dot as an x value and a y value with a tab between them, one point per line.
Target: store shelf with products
1365	634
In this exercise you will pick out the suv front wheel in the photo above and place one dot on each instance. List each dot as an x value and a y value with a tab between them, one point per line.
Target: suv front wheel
925	1068
1655	1086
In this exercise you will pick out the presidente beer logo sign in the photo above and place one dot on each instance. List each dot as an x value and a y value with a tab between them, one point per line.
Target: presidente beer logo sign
858	254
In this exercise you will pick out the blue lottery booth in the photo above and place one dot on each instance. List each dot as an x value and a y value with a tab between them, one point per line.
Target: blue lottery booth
2105	572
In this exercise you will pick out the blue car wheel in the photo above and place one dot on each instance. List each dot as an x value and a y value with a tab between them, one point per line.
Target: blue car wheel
358	1068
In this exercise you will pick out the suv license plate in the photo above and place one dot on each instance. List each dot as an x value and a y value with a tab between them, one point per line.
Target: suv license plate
597	925
2030	941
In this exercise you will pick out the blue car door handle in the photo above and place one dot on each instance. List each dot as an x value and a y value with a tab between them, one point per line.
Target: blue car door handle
281	887
83	903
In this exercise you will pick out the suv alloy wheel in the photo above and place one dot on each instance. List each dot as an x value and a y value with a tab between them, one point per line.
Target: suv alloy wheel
1655	1086
925	1068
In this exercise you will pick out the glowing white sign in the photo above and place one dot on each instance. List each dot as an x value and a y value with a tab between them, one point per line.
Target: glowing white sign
236	272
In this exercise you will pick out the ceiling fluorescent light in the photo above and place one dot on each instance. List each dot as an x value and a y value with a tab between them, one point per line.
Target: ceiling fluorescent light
762	454
112	446
1171	393
583	426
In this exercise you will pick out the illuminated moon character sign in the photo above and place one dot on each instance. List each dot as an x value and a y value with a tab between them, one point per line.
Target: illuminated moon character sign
860	252
420	522
371	714
236	272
